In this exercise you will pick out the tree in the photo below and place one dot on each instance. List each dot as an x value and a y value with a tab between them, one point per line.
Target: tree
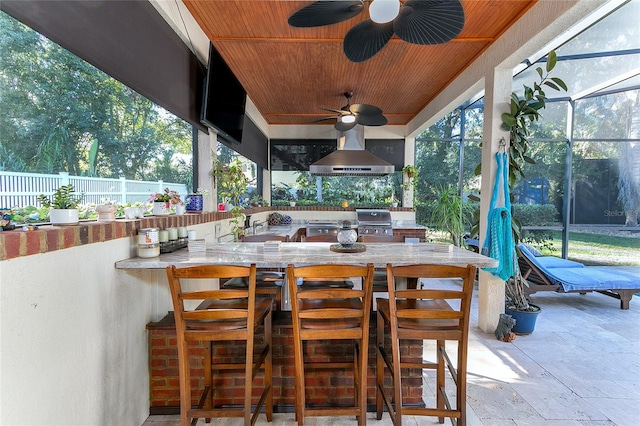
60	113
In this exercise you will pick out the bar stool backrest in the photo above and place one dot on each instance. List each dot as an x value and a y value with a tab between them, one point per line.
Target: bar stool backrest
459	301
312	308
187	317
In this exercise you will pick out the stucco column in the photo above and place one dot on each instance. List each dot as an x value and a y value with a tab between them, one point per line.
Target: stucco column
409	159
496	101
206	158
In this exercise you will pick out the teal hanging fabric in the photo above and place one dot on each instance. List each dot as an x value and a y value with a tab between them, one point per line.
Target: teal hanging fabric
498	243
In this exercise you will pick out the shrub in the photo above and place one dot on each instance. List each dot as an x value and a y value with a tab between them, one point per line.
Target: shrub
537	215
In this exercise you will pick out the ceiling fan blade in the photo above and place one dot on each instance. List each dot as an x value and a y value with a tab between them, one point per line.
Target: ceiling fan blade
337	111
343	127
366	39
325	12
365	109
429	21
371	120
325	119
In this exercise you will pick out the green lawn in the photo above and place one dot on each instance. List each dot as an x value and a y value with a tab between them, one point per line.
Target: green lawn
598	249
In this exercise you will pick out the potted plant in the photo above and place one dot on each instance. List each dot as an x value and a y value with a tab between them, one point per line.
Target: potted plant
162	201
412	173
523	112
231	182
62	205
518	306
106	210
195	200
394	200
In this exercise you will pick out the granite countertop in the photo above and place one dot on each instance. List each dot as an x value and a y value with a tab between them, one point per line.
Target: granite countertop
310	253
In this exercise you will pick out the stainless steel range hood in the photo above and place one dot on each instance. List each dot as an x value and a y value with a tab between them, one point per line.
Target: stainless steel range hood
351	159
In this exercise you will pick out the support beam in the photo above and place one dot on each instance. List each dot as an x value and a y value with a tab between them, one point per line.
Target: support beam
497	93
409	159
206	158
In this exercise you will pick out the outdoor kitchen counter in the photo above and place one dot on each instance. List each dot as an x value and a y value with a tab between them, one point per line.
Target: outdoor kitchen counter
307	254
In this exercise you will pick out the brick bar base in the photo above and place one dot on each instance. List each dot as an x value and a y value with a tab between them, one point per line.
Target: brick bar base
322	386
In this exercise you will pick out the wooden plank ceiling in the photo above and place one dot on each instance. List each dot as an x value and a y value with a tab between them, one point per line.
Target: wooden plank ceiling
290	73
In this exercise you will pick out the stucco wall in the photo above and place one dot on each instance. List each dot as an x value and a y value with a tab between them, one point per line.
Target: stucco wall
73	339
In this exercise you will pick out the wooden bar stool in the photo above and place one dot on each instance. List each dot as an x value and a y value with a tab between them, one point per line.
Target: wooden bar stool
222	315
331	314
425	314
268	282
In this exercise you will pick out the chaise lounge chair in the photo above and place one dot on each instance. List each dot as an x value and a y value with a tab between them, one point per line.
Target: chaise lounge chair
550	273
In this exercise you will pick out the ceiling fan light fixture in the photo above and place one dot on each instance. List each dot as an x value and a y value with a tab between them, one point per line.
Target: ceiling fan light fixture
348	118
383	11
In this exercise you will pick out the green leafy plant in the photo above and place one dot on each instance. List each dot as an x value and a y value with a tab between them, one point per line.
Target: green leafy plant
412	174
525	111
166	195
450	213
231	182
63	198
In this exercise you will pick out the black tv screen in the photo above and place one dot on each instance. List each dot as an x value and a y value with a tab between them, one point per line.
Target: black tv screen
223	100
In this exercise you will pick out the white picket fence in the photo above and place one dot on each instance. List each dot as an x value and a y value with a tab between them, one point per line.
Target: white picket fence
22	189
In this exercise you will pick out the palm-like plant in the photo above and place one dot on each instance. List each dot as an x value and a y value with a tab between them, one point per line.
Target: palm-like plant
450	213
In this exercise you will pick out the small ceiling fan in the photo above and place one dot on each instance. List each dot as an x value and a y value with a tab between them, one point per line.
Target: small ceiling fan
414	21
351	114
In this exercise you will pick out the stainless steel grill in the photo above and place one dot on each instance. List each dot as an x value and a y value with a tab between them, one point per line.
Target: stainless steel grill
322	228
374	222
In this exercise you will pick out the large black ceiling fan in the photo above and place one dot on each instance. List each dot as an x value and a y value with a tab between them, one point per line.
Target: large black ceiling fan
351	114
414	21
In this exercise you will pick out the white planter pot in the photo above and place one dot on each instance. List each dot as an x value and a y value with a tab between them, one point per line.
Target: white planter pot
180	209
60	217
106	212
161	208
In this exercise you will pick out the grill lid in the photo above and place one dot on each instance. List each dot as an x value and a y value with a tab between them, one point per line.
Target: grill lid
374	217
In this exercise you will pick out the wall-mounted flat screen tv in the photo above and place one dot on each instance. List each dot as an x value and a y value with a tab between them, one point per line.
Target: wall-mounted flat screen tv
224	99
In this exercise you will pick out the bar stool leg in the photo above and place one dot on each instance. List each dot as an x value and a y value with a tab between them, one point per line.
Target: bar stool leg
208	378
379	366
299	382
